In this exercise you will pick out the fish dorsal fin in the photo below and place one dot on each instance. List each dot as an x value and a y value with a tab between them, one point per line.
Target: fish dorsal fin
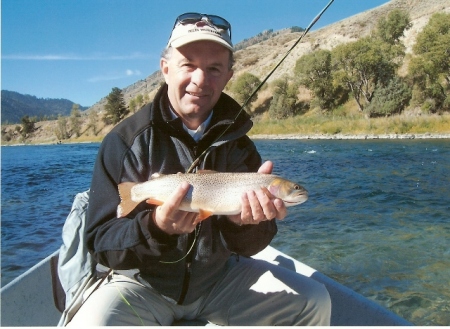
206	171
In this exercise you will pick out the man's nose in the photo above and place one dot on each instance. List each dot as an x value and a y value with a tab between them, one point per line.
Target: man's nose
199	77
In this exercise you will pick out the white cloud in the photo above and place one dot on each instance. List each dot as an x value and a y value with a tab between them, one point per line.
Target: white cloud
111	77
133	72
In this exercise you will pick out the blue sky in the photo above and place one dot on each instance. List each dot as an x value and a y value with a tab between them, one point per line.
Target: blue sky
81	49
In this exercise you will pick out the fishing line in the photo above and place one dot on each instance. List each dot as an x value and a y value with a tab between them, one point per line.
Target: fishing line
195	162
313	22
129	304
197	230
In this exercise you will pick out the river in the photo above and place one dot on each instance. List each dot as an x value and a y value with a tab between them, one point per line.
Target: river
377	220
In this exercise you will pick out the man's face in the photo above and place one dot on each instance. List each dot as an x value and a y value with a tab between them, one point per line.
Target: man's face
196	74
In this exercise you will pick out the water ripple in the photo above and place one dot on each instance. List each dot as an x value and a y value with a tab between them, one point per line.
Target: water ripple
377	218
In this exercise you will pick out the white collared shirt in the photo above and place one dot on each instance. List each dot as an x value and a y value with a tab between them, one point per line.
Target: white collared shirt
198	133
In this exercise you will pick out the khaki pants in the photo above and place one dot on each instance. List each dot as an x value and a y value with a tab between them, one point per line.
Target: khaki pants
252	292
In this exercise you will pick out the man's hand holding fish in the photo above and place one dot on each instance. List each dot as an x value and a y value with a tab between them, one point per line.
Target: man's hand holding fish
170	219
258	205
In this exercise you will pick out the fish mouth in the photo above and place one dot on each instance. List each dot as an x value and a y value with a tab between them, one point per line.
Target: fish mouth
295	202
299	199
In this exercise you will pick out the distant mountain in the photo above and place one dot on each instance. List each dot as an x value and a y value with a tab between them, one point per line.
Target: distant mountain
16	105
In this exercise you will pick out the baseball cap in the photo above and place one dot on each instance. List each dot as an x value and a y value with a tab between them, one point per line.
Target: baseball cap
191	27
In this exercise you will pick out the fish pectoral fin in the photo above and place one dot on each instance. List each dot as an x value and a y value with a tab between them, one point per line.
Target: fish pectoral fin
154	202
267	192
202	215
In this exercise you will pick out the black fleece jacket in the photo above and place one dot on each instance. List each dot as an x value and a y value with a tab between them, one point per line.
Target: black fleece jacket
149	142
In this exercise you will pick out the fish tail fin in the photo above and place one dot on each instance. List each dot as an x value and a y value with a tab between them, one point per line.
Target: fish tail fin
126	203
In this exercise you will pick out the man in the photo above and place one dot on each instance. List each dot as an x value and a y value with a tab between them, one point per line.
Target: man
181	269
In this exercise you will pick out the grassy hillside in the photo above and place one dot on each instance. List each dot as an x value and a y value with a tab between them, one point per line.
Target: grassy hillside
259	58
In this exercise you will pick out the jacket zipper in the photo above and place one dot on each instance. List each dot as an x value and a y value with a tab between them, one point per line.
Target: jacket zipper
187	277
188	264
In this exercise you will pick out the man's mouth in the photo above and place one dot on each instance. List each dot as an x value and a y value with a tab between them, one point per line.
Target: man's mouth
195	94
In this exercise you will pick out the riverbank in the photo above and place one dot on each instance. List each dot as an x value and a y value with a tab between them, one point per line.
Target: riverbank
351	136
276	137
312	125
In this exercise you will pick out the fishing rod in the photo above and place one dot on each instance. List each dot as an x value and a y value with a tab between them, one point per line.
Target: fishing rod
313	22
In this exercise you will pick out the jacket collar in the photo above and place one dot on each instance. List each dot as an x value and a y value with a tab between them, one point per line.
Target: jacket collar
225	112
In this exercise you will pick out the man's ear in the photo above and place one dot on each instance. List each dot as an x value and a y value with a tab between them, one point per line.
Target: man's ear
230	75
164	66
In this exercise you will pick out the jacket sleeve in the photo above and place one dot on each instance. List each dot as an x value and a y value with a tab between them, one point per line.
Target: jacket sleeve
120	243
246	240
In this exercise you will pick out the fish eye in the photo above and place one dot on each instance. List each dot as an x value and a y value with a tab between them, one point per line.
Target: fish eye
297	187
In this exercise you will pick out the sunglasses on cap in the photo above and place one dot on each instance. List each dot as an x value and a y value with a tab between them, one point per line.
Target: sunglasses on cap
192	18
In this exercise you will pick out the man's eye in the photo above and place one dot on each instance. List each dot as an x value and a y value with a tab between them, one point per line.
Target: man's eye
215	70
187	65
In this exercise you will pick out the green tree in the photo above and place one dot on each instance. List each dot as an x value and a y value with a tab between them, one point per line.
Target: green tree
362	65
315	72
139	100
391	28
430	67
92	122
284	99
61	129
27	126
132	105
115	107
75	120
243	88
297	29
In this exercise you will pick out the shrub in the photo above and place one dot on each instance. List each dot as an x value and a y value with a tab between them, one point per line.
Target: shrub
244	87
390	99
252	60
27	126
284	99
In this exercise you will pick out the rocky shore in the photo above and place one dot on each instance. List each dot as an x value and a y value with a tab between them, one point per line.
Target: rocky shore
47	141
344	136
